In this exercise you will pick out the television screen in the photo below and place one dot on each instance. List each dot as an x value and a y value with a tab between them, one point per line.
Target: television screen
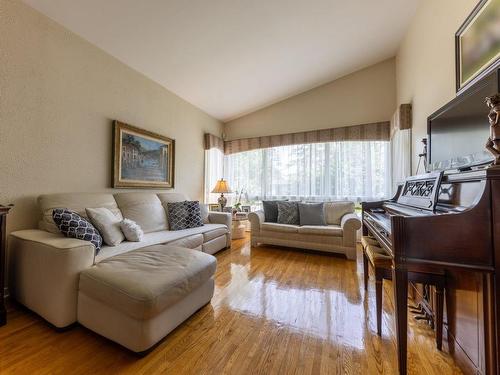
458	132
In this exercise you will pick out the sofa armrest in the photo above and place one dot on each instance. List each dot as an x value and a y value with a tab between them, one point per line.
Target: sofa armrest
46	271
256	219
220	218
350	223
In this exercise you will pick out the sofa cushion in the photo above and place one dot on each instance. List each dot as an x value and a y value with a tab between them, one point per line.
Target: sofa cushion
335	210
288	213
73	225
107	223
277	227
330	230
143	208
145	282
217	232
77	202
311	214
184	215
161	237
171	197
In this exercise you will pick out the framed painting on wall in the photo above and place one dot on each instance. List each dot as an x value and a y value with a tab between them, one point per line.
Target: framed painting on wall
141	159
477	44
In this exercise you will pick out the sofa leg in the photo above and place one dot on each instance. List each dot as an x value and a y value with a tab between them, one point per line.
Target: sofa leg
351	254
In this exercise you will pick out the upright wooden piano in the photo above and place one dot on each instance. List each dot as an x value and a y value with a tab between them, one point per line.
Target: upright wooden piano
459	234
447	221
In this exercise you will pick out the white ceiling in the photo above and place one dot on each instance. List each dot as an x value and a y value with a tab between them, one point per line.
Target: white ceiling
231	57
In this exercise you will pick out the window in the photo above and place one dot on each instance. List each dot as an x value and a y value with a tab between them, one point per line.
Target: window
214	170
354	170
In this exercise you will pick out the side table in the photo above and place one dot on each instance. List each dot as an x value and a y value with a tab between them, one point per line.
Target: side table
239	227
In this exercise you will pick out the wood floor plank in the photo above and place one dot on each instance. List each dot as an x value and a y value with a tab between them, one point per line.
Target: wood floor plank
274	311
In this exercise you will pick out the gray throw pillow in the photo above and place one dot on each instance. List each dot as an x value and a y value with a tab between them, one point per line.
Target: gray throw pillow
271	211
288	213
312	214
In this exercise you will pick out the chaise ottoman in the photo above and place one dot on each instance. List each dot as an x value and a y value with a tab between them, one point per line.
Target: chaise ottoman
137	298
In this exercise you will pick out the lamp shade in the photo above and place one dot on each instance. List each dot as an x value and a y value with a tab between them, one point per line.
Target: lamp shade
221	187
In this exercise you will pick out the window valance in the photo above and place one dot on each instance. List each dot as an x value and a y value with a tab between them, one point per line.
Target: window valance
212	141
378	131
401	119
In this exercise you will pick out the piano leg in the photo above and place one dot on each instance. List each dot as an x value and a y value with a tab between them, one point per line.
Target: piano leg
439	316
378	294
365	269
400	282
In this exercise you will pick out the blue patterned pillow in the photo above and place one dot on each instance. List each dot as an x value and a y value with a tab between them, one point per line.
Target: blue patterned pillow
184	215
74	226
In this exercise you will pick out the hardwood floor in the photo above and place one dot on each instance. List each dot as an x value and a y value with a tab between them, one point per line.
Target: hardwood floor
275	311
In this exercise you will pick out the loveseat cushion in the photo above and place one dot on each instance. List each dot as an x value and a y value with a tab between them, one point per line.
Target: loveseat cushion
277	227
327	230
143	208
145	282
335	210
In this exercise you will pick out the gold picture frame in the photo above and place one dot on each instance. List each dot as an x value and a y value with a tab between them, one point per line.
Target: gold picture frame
214	207
142	159
477	44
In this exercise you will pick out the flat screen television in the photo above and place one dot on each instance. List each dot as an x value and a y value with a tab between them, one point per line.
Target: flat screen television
457	132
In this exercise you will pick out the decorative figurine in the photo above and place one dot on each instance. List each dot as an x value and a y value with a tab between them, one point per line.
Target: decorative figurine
493	143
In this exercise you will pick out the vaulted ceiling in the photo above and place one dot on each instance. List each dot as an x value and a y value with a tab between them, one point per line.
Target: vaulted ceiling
231	57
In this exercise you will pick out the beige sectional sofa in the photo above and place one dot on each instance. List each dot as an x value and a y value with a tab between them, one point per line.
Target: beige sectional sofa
338	236
47	265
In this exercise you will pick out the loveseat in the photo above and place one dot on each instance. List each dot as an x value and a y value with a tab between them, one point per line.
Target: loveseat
47	265
338	236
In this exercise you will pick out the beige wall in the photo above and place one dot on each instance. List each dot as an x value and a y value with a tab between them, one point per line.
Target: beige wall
59	95
368	95
425	62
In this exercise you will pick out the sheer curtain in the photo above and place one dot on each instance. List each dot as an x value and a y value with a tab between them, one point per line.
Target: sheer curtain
214	170
354	170
401	157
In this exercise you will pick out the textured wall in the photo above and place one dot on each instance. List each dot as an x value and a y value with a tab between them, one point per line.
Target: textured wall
425	63
368	95
59	95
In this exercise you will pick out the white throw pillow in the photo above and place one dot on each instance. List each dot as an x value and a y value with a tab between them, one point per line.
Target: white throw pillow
131	230
107	223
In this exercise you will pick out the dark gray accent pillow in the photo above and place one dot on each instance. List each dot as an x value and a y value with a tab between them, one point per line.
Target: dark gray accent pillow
184	215
74	226
271	211
312	214
288	213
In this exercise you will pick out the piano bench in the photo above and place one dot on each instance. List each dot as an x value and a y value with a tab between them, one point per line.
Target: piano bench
381	262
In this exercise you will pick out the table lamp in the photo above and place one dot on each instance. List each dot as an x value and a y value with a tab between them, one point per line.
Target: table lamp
222	187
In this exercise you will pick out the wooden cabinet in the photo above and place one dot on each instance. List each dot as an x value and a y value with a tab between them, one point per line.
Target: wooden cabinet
3	242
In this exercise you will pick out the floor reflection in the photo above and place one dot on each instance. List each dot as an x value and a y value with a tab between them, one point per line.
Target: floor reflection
324	313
